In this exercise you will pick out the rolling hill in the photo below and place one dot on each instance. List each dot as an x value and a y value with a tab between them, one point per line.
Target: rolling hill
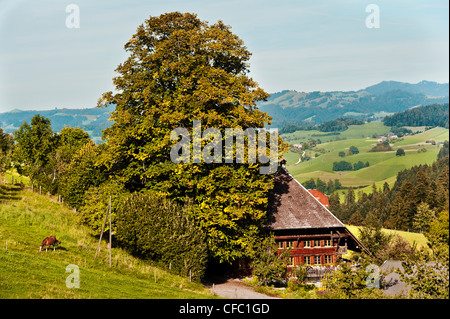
384	166
377	101
92	120
26	218
286	107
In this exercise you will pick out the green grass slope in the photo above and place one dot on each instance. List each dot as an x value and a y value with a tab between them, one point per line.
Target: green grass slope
384	166
419	239
26	218
353	132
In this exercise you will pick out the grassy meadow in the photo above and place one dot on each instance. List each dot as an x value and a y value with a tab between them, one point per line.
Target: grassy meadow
417	238
26	218
384	166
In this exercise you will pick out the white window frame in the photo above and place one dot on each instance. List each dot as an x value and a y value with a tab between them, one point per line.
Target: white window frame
317	258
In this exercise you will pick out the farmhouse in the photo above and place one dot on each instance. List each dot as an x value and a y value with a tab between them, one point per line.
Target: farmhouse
301	222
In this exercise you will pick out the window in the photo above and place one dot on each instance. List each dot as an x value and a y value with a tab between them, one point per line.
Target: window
328	259
327	242
291	261
307	260
316	243
307	244
280	245
317	260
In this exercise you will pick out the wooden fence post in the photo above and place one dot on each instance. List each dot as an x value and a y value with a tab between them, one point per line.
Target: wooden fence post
101	234
110	231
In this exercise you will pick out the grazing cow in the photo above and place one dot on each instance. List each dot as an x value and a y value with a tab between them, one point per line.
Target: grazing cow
51	240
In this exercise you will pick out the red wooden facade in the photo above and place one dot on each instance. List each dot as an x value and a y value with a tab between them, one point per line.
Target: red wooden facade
313	248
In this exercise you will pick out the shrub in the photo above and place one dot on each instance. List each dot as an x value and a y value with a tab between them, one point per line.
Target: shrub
342	166
354	149
359	165
345	283
381	147
153	227
82	172
400	152
96	200
268	265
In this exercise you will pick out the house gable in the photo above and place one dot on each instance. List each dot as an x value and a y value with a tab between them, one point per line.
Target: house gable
294	212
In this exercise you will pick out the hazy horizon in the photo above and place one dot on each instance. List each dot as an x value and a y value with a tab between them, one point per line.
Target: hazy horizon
88	107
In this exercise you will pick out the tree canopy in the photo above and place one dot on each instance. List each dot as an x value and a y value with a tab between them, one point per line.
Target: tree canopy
182	69
34	150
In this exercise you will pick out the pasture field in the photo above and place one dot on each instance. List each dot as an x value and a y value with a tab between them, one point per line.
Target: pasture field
384	166
353	132
410	237
26	218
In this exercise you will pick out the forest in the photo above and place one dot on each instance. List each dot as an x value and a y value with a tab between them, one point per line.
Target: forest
337	125
346	166
431	115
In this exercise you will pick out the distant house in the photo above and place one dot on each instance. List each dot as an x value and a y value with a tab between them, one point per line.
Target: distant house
298	145
392	136
302	222
382	139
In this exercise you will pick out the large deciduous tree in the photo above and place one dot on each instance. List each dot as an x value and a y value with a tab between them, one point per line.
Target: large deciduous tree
182	69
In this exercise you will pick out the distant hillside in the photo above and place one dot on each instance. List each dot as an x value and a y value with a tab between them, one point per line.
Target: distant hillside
286	107
377	101
431	115
92	120
423	87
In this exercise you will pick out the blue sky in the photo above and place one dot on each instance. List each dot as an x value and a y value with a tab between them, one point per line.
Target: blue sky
300	45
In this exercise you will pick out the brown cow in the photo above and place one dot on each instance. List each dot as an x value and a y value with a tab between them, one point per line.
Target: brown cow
51	240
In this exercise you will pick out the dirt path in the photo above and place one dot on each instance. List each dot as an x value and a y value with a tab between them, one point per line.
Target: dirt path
235	289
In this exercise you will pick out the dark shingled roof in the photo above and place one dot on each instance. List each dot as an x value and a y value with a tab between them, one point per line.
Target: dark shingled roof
291	206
